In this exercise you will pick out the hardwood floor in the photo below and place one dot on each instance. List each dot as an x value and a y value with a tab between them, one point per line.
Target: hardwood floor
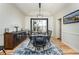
66	49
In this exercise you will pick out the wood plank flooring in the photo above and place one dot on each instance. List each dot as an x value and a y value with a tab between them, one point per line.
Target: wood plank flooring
66	49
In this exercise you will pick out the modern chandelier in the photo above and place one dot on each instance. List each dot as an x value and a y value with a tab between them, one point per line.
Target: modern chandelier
39	12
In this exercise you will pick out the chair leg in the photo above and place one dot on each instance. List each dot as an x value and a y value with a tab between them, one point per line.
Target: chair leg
4	51
43	47
35	49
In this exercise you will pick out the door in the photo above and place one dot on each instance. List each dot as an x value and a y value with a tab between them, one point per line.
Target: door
60	28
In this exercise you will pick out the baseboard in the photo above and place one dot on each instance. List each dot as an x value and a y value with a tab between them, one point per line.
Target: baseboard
63	41
56	37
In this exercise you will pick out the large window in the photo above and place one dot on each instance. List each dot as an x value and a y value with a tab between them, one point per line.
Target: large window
39	25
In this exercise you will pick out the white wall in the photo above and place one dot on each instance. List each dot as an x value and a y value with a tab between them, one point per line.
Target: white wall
9	17
50	23
70	32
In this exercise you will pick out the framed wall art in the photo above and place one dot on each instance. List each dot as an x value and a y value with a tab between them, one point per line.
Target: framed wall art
71	18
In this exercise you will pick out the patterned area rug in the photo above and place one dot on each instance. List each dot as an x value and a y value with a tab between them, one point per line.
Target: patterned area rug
26	48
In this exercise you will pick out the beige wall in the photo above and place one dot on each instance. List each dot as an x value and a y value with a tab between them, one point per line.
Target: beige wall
9	17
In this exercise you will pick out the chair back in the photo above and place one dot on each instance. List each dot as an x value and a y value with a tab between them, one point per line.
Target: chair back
39	41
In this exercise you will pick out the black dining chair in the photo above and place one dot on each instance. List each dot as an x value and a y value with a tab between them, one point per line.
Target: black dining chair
2	48
49	35
39	41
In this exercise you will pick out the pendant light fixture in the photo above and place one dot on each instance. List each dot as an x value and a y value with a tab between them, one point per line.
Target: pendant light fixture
39	12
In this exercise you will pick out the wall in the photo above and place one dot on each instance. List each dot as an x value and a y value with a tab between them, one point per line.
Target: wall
70	32
9	17
50	23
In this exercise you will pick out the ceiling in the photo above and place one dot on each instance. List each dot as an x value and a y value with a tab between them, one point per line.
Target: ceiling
47	9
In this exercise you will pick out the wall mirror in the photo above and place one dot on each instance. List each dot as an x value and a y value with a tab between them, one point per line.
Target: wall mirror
39	25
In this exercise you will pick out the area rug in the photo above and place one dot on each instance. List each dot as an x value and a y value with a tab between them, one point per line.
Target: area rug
26	48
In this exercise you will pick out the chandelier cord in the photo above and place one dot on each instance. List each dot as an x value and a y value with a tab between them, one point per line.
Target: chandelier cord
39	10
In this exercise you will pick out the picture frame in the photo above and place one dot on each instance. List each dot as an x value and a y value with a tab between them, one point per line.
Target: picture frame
6	29
72	17
32	23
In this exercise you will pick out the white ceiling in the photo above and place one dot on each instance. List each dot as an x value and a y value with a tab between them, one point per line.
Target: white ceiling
47	9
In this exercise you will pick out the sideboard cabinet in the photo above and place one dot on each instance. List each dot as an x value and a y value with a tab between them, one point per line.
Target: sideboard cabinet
12	39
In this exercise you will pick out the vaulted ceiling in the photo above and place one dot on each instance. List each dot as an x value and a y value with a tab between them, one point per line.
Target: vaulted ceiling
47	9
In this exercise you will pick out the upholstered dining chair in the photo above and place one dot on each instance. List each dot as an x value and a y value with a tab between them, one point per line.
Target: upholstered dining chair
2	48
39	41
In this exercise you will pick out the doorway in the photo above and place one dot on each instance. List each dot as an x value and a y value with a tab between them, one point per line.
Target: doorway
60	29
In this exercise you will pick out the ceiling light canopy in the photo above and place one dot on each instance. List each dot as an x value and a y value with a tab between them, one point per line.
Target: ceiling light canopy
39	5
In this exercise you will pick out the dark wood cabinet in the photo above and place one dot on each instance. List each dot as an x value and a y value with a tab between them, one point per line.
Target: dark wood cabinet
12	39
